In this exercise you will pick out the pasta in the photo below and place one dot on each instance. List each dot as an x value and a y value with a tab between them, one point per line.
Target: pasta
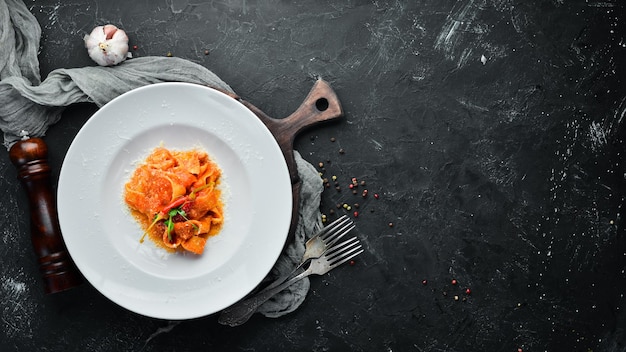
175	198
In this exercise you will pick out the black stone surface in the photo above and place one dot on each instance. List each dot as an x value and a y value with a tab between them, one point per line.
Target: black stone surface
492	130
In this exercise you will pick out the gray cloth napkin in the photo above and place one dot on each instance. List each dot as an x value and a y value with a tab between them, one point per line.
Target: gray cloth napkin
29	106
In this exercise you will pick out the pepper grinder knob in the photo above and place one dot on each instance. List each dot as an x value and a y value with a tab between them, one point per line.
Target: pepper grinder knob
30	157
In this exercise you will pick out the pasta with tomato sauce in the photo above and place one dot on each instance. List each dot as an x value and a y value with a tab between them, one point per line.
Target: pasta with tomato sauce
174	196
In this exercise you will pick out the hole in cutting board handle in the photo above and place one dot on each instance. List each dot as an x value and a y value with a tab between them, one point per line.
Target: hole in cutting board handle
321	104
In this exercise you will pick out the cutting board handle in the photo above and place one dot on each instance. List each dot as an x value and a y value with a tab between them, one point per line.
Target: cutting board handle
320	105
30	157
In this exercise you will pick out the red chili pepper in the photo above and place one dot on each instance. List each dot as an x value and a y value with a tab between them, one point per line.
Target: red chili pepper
173	205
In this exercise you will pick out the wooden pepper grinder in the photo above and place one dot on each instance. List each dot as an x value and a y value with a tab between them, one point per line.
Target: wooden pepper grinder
30	157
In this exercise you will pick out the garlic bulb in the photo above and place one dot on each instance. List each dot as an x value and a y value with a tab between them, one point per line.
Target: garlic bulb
107	45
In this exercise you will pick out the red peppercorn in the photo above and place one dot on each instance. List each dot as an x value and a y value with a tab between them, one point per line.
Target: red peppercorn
356	214
454	282
135	47
468	291
352	262
351	186
376	195
424	282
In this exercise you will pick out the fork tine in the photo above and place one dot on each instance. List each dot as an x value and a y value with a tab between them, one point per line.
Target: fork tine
336	221
331	240
345	257
321	234
330	228
332	250
342	250
336	264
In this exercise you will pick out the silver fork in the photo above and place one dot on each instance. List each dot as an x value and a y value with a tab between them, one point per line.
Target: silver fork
240	312
318	244
325	238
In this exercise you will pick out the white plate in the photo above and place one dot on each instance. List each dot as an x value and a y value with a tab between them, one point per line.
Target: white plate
102	237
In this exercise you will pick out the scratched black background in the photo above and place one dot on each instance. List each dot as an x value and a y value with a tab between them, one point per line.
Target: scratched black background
493	131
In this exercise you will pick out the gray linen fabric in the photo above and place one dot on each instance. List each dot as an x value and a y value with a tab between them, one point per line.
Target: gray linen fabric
28	104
